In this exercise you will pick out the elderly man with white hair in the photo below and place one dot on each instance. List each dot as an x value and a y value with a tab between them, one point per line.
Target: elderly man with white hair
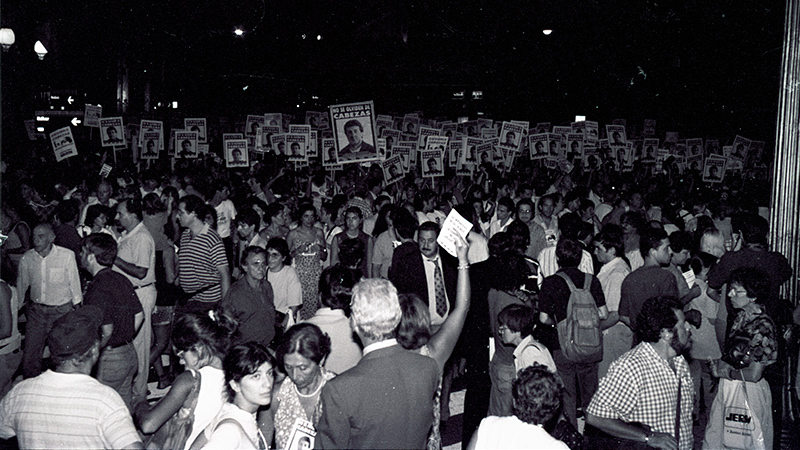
386	400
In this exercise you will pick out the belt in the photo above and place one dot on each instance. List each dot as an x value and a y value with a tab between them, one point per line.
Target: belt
143	286
114	347
42	305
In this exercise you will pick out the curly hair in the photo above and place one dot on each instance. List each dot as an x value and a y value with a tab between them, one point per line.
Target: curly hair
657	313
537	394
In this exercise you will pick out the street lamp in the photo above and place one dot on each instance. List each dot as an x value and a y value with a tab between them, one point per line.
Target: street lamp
7	38
38	47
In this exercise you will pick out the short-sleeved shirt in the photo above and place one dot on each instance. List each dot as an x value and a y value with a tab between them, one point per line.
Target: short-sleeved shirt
642	284
286	287
66	410
112	292
138	248
199	260
226	212
641	387
554	295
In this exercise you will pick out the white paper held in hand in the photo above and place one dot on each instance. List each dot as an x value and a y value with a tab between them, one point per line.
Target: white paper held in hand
454	225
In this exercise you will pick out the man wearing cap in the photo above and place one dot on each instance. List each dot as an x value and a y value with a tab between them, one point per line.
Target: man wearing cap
122	314
51	273
136	259
66	407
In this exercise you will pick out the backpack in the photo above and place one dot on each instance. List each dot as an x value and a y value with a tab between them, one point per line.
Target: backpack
579	332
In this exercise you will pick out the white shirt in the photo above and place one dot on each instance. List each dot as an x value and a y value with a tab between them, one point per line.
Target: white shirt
549	266
139	249
430	265
530	351
226	212
611	275
506	433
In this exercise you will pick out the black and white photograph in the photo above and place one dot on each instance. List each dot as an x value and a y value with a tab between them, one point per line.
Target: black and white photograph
252	125
354	131
63	143
392	169
740	147
112	131
197	124
152	125
616	135
149	148
185	144
236	154
714	169
511	135
538	146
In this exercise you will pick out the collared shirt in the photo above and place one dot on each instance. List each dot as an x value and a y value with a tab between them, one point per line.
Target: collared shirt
642	387
53	279
611	275
379	345
549	266
531	351
66	410
139	249
430	265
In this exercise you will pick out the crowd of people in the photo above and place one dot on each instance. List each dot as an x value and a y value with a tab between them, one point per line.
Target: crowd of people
288	307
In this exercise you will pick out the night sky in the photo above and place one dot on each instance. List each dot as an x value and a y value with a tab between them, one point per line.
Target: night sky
705	69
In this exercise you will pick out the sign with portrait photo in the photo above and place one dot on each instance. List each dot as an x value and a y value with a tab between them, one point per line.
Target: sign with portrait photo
354	131
112	132
149	150
714	169
252	125
511	135
616	136
411	124
392	137
198	125
740	147
455	148
186	144
432	164
538	145
330	158
403	150
63	143
392	169
236	154
694	147
152	125
296	146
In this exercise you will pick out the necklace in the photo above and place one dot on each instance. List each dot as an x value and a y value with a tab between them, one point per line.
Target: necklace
316	391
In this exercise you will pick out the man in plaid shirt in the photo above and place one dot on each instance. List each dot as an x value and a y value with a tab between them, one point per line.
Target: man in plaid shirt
647	383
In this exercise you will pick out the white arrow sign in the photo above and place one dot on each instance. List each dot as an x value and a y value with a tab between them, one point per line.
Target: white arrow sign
70	100
75	121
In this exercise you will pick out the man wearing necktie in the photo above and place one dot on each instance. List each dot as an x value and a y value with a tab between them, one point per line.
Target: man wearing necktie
420	268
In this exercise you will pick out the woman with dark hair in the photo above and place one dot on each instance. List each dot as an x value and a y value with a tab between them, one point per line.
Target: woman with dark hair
297	402
352	254
505	290
96	221
747	289
276	219
414	331
536	394
201	342
286	284
307	247
249	376
335	291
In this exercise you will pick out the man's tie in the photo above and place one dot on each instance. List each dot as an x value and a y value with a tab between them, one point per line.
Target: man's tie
438	287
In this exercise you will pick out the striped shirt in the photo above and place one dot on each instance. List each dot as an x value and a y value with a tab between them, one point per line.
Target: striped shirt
199	260
66	410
